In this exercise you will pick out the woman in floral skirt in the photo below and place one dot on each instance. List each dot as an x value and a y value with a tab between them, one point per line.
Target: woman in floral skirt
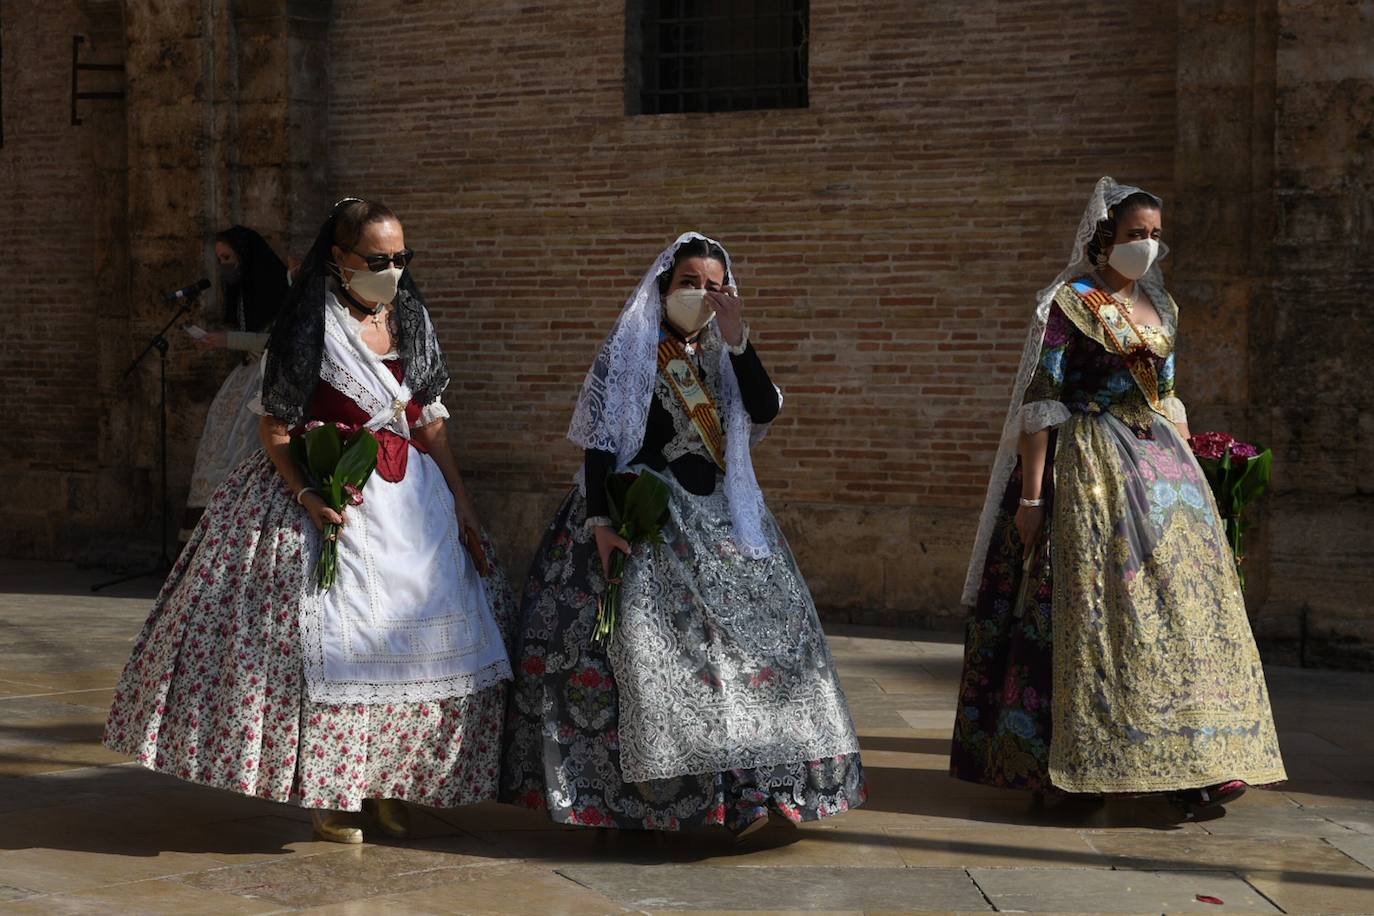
387	686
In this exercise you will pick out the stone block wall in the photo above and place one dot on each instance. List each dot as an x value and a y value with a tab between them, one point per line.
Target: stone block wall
69	467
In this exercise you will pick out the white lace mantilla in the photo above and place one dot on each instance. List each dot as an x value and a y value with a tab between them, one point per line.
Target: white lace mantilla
720	660
613	407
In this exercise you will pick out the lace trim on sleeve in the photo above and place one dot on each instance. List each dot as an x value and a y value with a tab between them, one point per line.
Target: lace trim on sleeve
1038	415
431	412
1173	409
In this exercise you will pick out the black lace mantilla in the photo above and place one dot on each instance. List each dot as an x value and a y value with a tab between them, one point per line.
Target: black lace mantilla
297	345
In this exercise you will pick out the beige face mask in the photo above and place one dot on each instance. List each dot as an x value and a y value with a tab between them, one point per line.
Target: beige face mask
688	310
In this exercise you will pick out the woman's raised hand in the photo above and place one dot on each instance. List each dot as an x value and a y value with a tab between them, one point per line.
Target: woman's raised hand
729	316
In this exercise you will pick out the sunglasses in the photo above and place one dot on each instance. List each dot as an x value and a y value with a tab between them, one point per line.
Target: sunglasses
379	262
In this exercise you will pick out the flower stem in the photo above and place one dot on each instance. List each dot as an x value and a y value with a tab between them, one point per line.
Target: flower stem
327	567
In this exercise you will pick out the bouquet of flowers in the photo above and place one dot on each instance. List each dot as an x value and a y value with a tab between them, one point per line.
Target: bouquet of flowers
639	510
337	470
1238	474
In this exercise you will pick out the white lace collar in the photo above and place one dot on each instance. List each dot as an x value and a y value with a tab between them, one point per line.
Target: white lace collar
345	316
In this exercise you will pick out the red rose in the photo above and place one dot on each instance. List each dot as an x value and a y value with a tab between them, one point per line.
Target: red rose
1213	446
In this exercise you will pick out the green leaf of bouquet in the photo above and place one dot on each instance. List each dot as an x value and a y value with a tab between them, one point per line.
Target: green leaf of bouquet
646	503
323	445
1211	469
298	454
358	460
617	490
1256	478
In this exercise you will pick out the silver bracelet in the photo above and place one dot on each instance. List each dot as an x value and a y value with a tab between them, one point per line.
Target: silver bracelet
1032	503
596	521
300	494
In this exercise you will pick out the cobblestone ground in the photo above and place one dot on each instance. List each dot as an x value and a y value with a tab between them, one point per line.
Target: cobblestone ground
83	831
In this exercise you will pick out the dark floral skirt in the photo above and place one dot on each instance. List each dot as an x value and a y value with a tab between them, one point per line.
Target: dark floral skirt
1003	726
562	740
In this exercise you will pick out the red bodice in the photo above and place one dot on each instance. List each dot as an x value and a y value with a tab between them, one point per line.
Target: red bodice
330	405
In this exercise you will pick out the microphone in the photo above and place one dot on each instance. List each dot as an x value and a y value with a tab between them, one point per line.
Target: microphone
188	292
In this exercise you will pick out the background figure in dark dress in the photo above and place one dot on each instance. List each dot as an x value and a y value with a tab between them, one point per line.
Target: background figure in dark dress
253	287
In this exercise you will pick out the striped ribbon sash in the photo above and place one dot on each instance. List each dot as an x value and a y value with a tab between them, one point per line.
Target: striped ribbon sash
695	399
1125	338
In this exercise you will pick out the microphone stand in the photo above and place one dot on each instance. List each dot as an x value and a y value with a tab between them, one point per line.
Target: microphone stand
163	564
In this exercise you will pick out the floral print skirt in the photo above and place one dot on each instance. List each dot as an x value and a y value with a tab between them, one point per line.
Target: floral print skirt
563	743
214	692
1003	727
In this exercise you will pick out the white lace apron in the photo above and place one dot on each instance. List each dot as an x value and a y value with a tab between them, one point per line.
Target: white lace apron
408	619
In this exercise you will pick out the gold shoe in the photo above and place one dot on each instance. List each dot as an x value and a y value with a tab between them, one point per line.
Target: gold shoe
333	828
391	814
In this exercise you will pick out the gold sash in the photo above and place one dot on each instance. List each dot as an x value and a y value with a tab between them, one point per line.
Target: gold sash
695	399
1125	338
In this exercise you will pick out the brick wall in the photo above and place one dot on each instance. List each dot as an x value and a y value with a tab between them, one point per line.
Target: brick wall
888	239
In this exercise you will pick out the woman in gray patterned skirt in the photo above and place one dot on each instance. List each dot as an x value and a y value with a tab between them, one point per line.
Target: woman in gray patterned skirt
715	699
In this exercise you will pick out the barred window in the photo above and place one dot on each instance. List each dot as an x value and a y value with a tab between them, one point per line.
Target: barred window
715	55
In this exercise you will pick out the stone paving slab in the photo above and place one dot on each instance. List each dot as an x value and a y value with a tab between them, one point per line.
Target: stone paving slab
1358	847
675	887
84	831
1040	890
496	889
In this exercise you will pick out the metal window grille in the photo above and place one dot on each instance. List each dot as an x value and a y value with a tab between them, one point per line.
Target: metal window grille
716	55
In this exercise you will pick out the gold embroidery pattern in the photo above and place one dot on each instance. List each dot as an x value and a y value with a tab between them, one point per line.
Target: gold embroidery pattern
1157	681
1125	339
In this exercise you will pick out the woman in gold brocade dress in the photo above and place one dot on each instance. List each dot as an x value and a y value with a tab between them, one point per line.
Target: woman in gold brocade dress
1108	649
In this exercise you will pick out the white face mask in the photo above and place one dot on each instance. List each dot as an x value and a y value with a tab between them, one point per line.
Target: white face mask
688	310
379	287
1133	259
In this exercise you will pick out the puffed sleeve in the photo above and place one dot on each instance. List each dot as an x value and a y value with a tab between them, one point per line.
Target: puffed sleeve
1043	404
434	410
1168	394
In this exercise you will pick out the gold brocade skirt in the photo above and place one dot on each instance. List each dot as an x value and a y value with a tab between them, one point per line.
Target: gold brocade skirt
1157	681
